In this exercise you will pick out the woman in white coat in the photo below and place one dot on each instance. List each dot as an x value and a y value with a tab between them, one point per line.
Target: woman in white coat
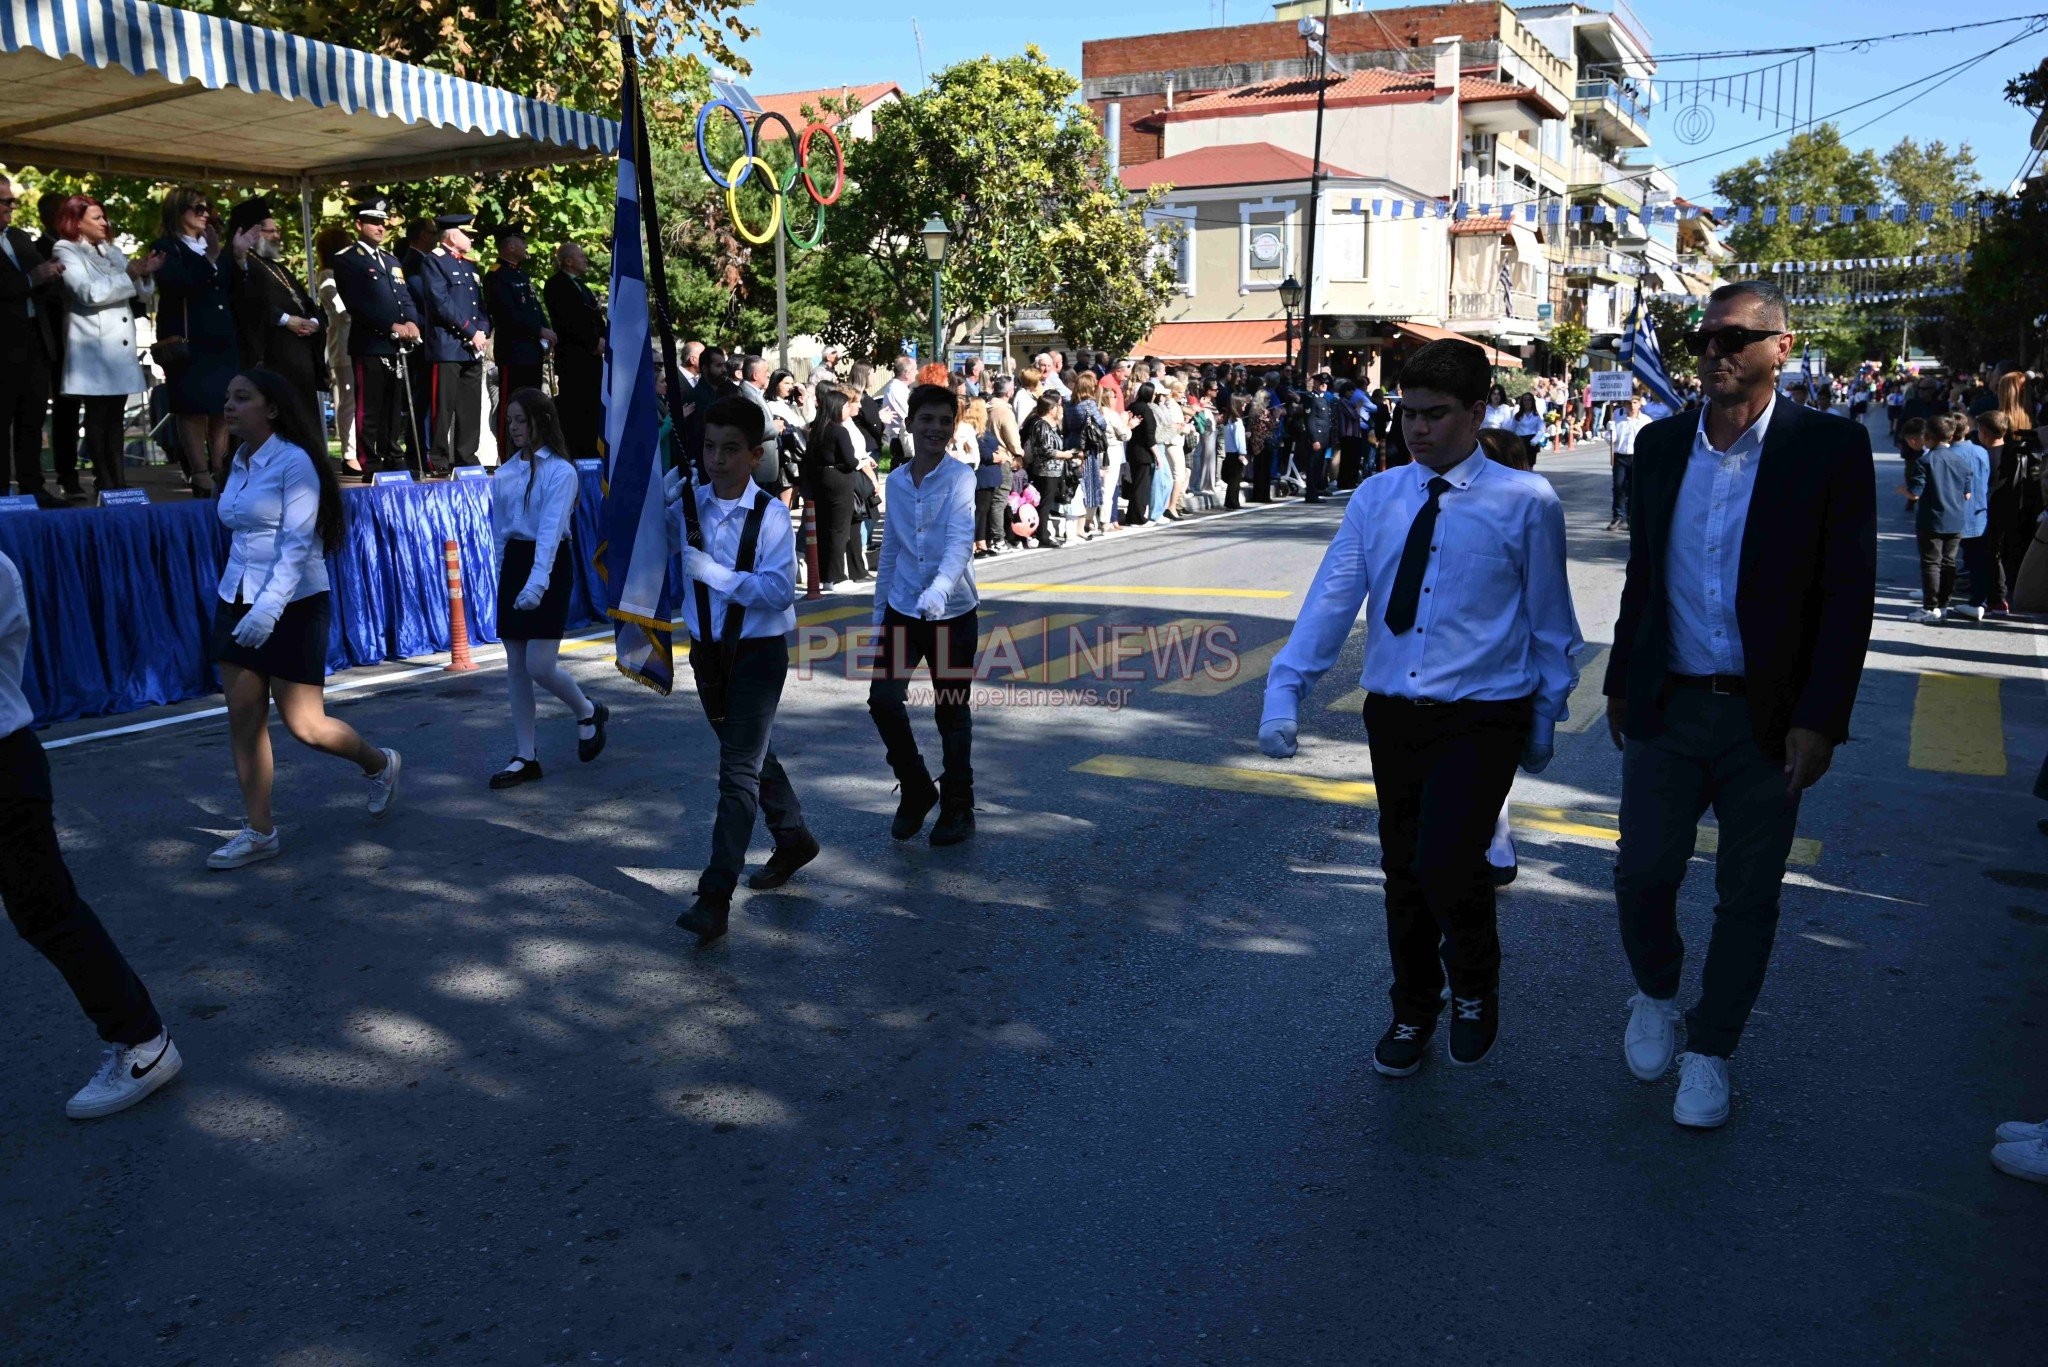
102	366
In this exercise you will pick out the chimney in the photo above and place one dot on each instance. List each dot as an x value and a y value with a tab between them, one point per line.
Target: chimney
1169	94
1447	59
1113	125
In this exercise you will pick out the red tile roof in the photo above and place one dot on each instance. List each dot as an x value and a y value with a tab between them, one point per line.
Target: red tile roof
791	106
1369	85
1471	227
1238	163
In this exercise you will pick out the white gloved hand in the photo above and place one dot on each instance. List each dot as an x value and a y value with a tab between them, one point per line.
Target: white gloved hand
703	567
252	631
1277	739
672	485
530	596
931	604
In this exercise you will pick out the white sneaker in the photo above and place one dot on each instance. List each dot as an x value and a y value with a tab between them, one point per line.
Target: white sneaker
384	785
2019	1132
1928	616
1967	613
246	848
2027	1160
126	1075
1651	1039
1702	1091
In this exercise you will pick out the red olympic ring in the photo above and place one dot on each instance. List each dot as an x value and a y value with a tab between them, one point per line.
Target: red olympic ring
803	160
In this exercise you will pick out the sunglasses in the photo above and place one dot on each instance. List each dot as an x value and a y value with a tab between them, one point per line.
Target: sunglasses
1727	341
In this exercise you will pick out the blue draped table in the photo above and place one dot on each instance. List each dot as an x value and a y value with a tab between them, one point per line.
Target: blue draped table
121	600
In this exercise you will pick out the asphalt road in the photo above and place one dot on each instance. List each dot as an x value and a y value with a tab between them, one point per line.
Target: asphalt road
1093	1088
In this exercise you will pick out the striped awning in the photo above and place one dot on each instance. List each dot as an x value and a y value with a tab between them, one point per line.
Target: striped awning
129	87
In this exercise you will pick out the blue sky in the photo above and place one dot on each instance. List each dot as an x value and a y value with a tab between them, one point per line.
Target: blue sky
810	43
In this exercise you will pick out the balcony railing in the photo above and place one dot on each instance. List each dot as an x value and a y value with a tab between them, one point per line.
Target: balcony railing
1599	259
1494	304
1632	105
1496	191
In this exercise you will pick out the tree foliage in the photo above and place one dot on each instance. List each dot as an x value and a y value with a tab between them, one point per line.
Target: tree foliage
2002	312
1110	277
1568	343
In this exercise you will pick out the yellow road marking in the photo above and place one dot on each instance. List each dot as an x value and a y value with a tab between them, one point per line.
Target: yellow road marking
1958	725
1603	827
1252	666
811	619
1041	630
1101	656
1143	590
1588	704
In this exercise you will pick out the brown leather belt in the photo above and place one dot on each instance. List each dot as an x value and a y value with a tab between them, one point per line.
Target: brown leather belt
1727	685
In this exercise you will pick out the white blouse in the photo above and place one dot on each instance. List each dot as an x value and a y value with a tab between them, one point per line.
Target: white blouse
272	506
534	500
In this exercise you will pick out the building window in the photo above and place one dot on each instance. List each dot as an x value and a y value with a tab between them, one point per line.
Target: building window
1266	244
1345	231
1179	248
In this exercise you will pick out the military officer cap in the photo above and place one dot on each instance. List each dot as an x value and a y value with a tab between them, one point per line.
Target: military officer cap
505	230
446	221
375	210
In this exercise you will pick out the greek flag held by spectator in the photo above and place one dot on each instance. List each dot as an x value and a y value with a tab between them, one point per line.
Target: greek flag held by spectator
1640	353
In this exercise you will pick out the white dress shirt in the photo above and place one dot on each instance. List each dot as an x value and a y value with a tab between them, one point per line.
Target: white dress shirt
1501	415
927	541
14	709
1704	563
1494	621
1622	435
272	505
895	406
768	591
534	500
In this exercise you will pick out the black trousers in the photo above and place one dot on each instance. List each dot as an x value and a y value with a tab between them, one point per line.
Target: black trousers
946	649
24	402
831	493
1981	564
1623	476
381	426
1937	570
106	439
1706	756
44	905
1314	465
1350	461
1052	491
65	412
458	413
1233	480
580	377
1140	507
1442	771
750	778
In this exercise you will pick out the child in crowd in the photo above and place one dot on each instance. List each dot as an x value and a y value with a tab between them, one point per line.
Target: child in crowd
1949	482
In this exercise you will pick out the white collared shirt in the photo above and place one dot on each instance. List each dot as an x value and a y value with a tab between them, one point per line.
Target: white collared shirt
1703	566
1494	621
272	505
927	541
534	500
14	708
768	591
1624	432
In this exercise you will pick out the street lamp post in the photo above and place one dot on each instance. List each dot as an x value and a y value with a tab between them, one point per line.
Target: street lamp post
1290	300
936	236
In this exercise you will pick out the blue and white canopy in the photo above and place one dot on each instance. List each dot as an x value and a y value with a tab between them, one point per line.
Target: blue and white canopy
134	88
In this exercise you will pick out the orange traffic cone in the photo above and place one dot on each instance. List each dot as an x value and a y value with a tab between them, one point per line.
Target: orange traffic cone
458	619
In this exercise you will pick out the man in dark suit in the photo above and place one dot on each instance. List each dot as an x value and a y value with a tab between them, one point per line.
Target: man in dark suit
422	234
579	359
520	335
28	349
281	326
457	328
1752	574
384	326
66	410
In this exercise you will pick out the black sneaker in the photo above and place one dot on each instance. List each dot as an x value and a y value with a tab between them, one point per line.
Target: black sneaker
916	804
706	918
1400	1050
783	864
955	823
1475	1025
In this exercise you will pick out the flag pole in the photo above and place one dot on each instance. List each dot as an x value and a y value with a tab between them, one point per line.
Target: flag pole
650	227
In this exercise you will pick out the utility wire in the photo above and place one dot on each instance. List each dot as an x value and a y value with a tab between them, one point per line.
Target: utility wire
1841	45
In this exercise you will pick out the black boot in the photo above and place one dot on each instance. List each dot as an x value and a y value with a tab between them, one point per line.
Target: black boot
920	795
706	917
956	789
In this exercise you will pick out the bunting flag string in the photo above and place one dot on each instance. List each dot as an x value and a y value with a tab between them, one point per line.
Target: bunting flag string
1863	263
1874	297
1554	212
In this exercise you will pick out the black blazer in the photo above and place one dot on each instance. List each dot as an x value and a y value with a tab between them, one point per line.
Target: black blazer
579	318
1808	583
24	340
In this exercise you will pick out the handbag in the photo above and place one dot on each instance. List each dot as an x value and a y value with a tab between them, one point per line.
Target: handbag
174	353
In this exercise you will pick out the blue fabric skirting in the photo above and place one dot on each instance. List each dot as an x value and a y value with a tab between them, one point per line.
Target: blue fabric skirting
121	600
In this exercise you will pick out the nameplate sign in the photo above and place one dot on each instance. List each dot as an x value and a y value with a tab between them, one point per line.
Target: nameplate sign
391	477
1609	386
471	472
589	464
124	498
18	503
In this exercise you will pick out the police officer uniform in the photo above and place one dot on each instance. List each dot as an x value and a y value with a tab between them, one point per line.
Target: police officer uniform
455	315
373	289
517	321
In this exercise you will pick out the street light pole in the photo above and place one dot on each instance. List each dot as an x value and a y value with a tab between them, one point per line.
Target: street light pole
1290	298
1318	35
936	235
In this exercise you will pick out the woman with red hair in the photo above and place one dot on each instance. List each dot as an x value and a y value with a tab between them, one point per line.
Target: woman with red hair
102	365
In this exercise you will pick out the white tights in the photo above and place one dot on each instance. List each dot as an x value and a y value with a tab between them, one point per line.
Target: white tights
528	663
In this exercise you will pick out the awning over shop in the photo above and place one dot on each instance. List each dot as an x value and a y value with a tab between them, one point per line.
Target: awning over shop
1235	341
1423	332
133	88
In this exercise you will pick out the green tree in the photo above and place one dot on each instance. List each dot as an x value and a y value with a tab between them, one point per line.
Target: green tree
1111	278
1568	343
1672	320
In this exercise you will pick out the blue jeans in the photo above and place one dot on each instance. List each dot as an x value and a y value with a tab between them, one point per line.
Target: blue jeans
1706	756
1624	473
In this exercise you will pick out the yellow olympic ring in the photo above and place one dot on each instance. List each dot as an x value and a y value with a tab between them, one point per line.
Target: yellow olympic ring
732	201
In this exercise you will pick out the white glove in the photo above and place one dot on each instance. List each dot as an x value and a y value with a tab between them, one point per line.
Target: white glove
701	566
1277	738
672	485
931	604
530	596
252	631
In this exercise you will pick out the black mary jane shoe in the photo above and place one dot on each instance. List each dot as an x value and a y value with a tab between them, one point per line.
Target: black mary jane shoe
517	772
588	750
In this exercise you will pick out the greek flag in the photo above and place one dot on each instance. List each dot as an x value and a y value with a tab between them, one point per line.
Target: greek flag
1507	287
1640	353
633	560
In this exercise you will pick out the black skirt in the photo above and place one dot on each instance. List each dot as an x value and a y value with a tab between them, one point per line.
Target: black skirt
296	651
545	622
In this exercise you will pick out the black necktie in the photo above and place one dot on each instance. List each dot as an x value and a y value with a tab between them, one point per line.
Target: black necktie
1414	563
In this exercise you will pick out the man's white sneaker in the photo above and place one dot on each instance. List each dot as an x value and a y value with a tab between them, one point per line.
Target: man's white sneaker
126	1075
2019	1131
384	785
1651	1039
1928	616
1702	1091
246	848
2027	1160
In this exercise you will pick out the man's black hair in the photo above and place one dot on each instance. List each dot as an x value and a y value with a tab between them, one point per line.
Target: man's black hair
933	396
1450	366
742	415
1763	291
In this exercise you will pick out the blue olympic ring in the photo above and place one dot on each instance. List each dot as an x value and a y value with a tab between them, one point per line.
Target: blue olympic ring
704	152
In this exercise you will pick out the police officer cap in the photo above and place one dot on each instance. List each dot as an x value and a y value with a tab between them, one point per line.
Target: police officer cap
446	221
374	210
505	230
248	214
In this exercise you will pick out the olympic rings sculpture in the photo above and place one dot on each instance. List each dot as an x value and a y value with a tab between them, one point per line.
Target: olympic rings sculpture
750	160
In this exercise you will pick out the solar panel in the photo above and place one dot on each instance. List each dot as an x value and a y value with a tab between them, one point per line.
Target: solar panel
735	94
